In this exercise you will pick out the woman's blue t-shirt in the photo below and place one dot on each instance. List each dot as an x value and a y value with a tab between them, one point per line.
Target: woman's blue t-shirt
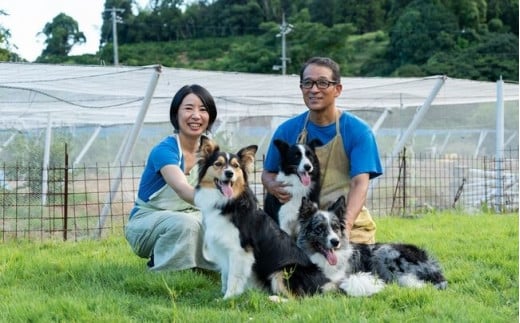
164	153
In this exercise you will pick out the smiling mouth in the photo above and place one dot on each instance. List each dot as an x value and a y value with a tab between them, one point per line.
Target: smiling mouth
329	254
225	187
305	178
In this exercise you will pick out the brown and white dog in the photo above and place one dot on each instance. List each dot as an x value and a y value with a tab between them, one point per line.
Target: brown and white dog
247	245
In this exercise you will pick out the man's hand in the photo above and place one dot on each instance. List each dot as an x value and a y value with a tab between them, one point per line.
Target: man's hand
274	187
278	190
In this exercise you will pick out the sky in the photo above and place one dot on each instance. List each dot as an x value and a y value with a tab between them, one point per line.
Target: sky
26	18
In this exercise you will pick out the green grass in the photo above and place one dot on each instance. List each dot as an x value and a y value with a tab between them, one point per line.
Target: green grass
102	281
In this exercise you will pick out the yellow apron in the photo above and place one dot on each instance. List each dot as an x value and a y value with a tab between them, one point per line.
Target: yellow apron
335	181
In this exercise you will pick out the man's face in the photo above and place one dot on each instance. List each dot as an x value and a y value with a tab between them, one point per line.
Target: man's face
318	97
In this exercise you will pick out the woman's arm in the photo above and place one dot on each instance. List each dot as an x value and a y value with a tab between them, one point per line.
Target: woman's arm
175	177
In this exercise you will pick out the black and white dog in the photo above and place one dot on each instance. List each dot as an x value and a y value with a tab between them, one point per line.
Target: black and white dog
247	245
361	269
300	170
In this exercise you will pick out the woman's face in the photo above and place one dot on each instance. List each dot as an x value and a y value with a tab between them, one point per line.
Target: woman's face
193	117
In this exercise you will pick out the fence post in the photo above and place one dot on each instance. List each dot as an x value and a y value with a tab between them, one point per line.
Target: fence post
66	195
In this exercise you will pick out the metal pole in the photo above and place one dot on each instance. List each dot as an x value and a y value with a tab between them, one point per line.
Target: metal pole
499	143
114	36
86	147
380	120
285	28
419	115
284	57
115	19
129	145
46	158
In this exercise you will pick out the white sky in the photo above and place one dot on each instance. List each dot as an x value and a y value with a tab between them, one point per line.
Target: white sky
28	17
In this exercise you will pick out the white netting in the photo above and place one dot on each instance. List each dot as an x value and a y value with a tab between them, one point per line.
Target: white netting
96	106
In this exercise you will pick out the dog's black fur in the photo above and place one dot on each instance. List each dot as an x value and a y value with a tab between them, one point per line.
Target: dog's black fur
243	240
300	169
322	237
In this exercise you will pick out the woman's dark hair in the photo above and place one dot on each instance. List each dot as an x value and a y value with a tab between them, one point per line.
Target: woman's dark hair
204	96
326	62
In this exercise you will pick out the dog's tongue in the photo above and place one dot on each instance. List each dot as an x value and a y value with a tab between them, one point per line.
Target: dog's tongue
306	179
226	189
331	257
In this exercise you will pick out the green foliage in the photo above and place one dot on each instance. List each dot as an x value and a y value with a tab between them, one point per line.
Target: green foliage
103	281
470	39
420	31
492	57
62	34
32	144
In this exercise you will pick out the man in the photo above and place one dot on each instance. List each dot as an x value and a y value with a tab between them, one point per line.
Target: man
349	157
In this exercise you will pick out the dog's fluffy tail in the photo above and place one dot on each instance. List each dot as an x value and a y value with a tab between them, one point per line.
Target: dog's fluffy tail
361	284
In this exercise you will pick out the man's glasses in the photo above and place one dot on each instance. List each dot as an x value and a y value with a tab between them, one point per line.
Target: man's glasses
321	84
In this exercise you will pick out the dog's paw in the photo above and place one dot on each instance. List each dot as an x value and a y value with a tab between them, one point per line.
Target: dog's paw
361	284
441	285
277	299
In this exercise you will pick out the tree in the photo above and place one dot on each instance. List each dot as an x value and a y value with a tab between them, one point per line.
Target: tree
5	34
423	29
62	34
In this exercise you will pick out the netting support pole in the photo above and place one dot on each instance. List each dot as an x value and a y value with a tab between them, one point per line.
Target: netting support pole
129	146
380	120
499	144
87	146
8	141
46	157
417	118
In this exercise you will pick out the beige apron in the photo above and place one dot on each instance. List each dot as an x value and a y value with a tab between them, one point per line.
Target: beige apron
335	181
170	229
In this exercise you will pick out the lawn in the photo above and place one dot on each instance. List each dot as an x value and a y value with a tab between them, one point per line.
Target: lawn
102	281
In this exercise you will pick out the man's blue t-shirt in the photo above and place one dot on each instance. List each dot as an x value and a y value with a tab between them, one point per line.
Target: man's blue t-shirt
358	139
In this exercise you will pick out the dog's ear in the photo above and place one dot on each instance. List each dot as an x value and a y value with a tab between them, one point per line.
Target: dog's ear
307	208
206	147
247	157
281	145
339	207
314	143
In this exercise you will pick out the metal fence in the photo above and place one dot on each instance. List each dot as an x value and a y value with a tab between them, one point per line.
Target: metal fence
93	201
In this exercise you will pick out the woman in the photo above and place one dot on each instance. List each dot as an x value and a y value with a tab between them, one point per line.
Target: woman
164	225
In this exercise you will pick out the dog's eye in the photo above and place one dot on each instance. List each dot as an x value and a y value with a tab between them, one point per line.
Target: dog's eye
235	165
319	229
218	164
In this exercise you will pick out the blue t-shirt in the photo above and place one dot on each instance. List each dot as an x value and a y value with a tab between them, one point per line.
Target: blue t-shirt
164	153
358	139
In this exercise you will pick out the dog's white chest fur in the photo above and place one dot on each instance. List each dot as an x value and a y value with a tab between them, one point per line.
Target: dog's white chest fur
288	214
337	272
222	240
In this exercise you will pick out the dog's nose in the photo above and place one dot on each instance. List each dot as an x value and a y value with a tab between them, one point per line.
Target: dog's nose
334	242
307	167
228	174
